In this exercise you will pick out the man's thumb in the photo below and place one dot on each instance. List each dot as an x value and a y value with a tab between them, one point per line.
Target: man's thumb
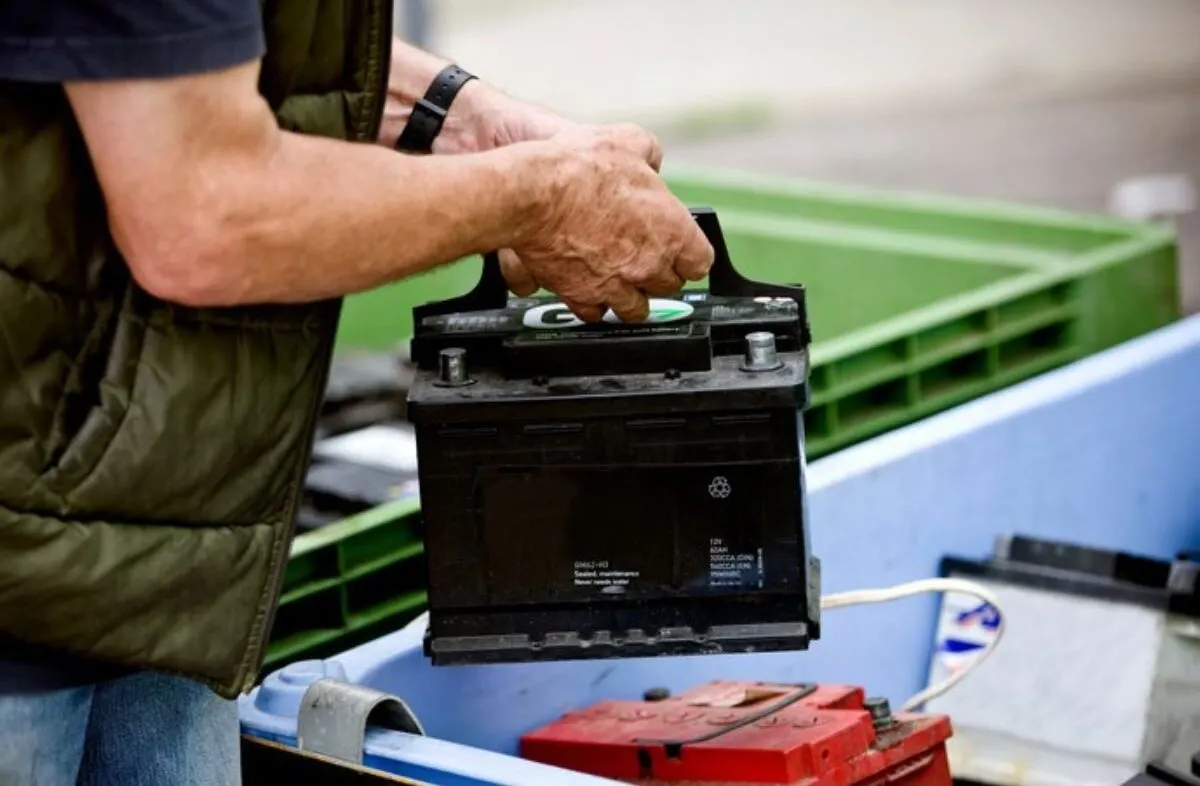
520	280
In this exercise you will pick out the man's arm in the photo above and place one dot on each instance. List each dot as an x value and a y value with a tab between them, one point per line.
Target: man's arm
213	204
197	175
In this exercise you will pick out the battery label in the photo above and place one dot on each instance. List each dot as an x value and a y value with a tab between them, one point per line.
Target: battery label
594	335
603	576
728	569
732	569
547	314
556	315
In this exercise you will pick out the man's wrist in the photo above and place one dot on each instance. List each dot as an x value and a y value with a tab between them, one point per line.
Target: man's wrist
527	177
413	70
466	129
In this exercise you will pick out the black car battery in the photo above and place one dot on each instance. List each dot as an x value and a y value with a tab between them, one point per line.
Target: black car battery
600	490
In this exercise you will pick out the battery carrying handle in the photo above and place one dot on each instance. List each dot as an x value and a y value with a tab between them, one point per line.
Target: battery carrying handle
491	291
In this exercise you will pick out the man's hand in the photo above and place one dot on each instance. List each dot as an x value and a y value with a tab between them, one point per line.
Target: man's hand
609	254
611	232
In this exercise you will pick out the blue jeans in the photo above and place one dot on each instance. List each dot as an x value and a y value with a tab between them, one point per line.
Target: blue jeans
139	729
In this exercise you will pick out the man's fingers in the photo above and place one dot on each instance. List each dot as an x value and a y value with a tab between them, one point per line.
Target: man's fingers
696	256
640	141
585	311
520	280
654	154
662	281
629	304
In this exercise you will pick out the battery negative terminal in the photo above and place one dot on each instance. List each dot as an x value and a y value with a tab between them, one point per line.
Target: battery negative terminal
452	368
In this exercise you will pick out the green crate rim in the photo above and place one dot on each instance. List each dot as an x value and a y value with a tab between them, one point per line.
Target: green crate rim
979	208
1065	268
332	534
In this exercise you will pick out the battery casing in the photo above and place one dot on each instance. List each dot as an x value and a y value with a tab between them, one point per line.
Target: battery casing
614	490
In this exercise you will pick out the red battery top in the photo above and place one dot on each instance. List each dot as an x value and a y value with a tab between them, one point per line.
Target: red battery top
746	732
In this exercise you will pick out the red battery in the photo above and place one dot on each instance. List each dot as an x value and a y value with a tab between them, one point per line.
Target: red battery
749	732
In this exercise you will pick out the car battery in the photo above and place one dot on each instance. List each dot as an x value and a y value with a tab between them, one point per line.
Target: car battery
598	490
760	733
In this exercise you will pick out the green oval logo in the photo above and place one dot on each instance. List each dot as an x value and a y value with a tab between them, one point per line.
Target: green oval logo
551	316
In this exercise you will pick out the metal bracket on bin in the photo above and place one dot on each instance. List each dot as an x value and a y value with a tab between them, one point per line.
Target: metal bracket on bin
334	717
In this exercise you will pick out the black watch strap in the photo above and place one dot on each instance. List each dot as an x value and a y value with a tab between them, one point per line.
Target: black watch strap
429	112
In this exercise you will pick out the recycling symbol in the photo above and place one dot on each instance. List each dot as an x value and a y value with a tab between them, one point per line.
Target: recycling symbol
719	487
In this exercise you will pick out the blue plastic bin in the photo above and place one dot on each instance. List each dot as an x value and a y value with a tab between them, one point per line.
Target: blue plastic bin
270	713
1104	452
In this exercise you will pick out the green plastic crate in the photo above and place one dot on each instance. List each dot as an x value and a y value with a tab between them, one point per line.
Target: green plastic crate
348	583
917	303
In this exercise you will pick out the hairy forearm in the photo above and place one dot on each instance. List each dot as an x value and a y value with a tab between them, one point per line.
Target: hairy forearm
215	205
317	218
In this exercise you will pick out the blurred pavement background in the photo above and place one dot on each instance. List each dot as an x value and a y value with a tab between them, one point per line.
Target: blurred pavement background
1042	101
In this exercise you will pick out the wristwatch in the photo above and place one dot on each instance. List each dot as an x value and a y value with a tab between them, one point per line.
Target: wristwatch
429	113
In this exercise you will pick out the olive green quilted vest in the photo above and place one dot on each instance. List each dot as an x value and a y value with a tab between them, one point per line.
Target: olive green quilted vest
151	456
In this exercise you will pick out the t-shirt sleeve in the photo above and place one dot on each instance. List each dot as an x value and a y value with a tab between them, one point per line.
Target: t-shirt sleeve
64	40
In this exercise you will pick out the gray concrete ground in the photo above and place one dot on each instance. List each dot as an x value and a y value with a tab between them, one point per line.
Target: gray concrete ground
1043	101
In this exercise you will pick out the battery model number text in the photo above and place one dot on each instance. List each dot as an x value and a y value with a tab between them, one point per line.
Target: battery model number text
727	568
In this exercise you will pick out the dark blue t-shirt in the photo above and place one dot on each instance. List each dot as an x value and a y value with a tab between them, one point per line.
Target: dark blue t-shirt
112	39
67	40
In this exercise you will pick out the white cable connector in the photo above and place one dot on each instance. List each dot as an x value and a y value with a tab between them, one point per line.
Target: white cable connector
840	600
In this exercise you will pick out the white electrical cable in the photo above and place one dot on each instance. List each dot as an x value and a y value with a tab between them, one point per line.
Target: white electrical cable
841	600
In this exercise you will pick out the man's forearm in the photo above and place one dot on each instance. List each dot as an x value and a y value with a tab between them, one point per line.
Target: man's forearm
319	218
214	205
